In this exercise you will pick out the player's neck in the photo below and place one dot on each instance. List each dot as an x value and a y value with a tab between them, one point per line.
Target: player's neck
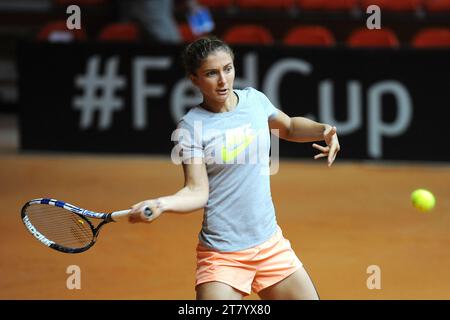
219	107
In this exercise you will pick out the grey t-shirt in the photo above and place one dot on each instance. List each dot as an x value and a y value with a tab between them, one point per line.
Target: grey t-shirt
235	146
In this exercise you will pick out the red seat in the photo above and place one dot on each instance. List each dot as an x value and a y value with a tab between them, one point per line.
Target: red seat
432	37
57	31
121	32
436	6
393	5
373	38
186	33
248	34
265	4
331	5
309	36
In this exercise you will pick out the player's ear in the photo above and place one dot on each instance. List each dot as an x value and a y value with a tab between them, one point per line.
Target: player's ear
194	79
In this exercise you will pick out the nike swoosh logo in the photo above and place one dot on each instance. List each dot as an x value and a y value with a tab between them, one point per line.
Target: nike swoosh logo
230	155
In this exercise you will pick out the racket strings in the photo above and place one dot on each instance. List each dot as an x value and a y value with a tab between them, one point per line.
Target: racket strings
69	237
60	225
64	228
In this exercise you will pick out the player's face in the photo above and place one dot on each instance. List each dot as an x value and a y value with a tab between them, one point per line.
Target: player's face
215	77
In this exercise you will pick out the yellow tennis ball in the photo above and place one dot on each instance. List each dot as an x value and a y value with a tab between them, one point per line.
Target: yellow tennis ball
423	200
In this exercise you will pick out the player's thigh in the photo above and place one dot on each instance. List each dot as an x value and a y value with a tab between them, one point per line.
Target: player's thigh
215	290
297	286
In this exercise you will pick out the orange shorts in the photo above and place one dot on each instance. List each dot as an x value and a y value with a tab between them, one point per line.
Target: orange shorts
251	269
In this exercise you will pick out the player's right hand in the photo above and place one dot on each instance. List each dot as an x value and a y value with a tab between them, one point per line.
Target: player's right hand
137	211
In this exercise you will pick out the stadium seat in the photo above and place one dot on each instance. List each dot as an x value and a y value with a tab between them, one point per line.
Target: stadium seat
186	33
265	4
393	5
432	37
248	34
309	36
437	6
56	31
120	32
329	5
373	38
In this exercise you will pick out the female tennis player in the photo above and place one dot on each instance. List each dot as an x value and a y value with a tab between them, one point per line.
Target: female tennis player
224	143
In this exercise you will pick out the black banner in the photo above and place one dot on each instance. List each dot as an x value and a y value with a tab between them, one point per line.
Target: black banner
227	309
387	104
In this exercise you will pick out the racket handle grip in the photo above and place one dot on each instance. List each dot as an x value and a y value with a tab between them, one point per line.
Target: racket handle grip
148	212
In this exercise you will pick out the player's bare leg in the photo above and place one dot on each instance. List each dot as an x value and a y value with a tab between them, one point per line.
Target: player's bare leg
298	286
217	291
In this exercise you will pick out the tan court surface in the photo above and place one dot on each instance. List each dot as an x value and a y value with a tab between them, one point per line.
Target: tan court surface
340	221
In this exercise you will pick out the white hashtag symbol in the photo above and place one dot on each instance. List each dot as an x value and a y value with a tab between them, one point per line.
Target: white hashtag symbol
92	82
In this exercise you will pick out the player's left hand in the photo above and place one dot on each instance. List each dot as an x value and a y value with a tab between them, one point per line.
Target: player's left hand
332	148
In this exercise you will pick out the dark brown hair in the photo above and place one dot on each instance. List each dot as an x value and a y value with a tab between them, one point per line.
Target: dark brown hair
197	51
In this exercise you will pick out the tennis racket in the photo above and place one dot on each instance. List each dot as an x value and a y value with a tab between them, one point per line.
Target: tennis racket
65	227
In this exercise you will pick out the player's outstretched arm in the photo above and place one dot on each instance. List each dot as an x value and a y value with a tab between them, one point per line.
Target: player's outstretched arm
193	196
